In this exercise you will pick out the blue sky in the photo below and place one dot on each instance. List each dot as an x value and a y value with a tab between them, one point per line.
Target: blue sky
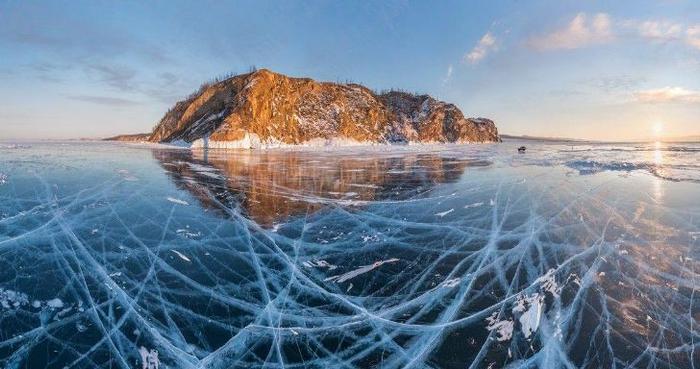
588	69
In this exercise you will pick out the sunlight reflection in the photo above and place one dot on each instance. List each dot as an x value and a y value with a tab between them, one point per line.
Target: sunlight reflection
658	153
657	183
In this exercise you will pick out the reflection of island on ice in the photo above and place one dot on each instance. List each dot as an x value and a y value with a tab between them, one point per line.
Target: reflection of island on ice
270	186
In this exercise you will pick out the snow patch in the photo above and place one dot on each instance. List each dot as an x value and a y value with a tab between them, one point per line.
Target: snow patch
253	141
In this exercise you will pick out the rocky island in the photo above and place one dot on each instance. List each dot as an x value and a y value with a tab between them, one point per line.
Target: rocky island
265	109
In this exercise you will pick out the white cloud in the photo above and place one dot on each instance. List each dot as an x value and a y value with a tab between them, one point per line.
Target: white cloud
668	94
581	31
448	75
693	36
585	30
658	30
482	48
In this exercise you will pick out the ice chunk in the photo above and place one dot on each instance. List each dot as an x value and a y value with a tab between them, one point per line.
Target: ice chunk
186	233
10	299
530	318
149	358
361	270
503	328
548	283
182	256
444	213
319	264
177	201
55	303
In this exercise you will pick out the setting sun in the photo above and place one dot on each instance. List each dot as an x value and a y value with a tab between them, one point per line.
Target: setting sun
657	128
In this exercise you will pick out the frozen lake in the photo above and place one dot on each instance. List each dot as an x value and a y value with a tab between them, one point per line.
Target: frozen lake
474	256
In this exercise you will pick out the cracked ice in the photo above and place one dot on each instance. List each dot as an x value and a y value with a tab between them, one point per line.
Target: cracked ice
123	256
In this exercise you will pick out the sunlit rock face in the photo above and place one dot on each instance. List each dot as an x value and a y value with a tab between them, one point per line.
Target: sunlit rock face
263	108
420	118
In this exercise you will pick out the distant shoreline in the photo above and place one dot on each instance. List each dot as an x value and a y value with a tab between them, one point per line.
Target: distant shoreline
690	139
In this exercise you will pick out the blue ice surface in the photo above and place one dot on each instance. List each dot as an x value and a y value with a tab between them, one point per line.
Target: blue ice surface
455	256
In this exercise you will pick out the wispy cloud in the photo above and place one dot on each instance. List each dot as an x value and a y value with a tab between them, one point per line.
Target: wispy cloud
72	37
619	83
70	47
668	94
104	100
581	31
165	87
486	44
48	71
610	86
116	76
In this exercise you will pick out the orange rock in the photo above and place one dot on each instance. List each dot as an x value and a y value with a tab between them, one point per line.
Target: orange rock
275	108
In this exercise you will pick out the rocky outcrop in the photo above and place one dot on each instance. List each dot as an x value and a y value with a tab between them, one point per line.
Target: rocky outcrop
420	118
263	108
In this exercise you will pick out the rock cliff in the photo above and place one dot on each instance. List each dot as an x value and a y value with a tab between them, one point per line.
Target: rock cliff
263	109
